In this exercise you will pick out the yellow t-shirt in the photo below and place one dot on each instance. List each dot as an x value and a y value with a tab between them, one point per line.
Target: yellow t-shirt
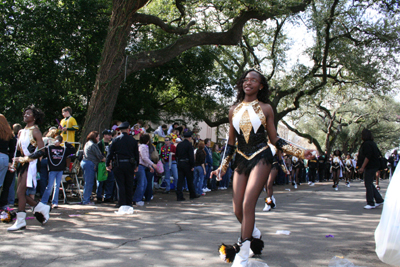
69	135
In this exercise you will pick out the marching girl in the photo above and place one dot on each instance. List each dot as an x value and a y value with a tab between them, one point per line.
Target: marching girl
30	147
250	119
349	167
296	171
336	171
288	163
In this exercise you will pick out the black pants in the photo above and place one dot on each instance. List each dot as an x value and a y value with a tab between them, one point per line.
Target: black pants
312	172
6	188
184	170
372	192
321	174
124	177
328	173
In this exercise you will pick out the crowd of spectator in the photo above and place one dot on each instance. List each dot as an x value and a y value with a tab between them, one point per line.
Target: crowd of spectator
157	164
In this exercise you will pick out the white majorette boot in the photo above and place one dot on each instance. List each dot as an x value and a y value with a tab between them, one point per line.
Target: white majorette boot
20	223
242	257
42	212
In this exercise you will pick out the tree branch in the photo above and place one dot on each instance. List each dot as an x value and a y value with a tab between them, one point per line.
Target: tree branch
215	123
306	136
273	49
155	58
170	101
150	19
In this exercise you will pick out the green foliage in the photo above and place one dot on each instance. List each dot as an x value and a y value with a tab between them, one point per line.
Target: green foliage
49	55
50	51
341	115
186	86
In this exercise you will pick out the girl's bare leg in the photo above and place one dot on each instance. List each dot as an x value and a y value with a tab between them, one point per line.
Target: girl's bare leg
21	193
270	182
246	191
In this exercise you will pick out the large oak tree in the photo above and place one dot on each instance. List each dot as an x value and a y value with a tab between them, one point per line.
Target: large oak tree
115	64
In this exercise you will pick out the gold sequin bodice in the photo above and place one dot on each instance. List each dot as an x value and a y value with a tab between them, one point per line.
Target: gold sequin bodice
249	118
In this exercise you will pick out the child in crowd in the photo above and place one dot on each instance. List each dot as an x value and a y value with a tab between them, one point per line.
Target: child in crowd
57	157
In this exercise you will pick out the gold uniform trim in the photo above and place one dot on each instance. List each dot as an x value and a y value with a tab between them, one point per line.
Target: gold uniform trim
31	138
225	163
245	122
254	154
294	151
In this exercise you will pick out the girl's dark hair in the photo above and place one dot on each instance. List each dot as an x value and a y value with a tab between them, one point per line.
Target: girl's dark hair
262	94
214	147
37	114
144	138
366	135
92	136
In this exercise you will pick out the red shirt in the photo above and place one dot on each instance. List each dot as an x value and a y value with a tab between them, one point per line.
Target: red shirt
165	150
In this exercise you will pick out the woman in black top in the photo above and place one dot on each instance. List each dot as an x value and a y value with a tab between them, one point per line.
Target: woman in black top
199	168
368	160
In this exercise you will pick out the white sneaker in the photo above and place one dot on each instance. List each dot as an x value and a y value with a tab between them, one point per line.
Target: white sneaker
267	207
378	204
368	207
348	185
295	186
225	188
140	203
337	188
311	184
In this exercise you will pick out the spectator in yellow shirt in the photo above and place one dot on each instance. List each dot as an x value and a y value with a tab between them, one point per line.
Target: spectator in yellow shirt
68	125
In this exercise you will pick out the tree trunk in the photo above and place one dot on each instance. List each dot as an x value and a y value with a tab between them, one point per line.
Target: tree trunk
111	71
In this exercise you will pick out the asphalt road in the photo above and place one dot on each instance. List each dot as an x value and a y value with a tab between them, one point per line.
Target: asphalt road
165	232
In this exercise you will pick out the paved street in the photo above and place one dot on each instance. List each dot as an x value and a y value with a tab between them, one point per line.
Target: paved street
170	233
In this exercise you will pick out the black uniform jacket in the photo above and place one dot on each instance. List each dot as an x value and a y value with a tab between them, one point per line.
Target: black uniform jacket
125	146
185	152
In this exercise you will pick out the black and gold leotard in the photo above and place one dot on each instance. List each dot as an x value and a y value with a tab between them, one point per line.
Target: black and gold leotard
335	162
349	165
296	162
250	124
